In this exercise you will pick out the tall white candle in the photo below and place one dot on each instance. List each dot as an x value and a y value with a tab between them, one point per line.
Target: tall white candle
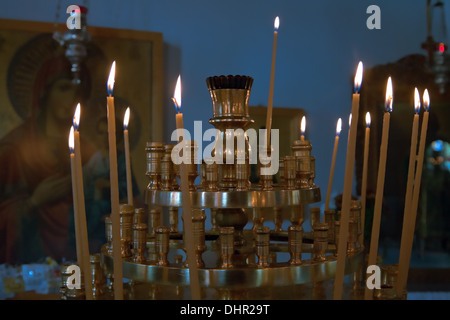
373	252
186	202
409	190
347	192
85	262
126	139
114	182
364	176
407	240
333	162
76	205
272	80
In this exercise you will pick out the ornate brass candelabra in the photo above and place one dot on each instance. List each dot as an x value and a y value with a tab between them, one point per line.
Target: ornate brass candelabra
238	255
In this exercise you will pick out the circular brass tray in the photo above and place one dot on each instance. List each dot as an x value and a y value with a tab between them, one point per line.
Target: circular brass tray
279	274
236	199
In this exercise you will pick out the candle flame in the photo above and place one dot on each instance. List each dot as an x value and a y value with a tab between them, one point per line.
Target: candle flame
76	117
71	140
416	101
339	126
350	120
368	119
358	77
111	77
276	23
177	95
303	125
426	100
126	118
389	96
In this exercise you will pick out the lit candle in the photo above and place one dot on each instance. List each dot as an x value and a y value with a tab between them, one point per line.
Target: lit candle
333	161
373	252
178	116
272	78
412	152
126	139
364	176
407	237
114	182
302	128
76	205
347	192
84	262
408	195
186	201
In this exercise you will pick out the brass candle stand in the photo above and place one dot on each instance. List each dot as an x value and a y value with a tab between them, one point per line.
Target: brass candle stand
238	255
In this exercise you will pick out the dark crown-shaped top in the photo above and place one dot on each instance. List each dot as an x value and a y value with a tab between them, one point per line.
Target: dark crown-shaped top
229	82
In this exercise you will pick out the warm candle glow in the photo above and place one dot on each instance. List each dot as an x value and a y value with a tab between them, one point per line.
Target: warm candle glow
426	100
276	24
303	125
347	190
375	234
403	264
111	78
358	77
412	197
126	118
339	127
76	117
177	95
71	140
416	101
368	119
389	97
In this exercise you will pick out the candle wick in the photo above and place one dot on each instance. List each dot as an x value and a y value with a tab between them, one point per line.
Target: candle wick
177	107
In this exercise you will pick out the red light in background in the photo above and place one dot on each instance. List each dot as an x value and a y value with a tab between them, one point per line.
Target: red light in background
441	47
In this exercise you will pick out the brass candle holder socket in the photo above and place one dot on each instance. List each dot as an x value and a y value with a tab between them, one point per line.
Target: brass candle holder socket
226	239
175	168
98	277
139	242
167	173
126	223
290	174
242	175
173	219
139	216
155	151
162	238
301	150
295	242
320	241
154	220
212	176
262	243
198	233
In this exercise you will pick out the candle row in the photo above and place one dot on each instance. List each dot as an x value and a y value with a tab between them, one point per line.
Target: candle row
81	236
412	190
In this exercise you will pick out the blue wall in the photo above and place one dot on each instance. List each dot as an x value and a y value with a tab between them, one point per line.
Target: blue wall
319	46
